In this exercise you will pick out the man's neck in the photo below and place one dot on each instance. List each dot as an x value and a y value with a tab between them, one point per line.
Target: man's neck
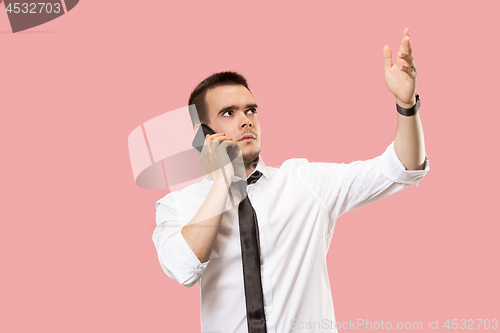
249	168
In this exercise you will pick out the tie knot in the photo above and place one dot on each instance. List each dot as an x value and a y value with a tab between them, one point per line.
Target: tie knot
254	177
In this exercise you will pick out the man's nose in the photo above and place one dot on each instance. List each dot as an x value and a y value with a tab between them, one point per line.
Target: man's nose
246	122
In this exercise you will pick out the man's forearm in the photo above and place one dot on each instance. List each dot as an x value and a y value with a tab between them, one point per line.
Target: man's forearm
201	231
409	141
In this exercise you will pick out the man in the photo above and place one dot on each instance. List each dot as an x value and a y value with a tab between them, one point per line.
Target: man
200	235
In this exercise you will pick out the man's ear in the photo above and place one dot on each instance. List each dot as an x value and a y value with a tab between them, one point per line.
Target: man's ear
196	128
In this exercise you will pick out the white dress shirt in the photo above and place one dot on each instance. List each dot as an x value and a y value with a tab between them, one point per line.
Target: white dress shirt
297	206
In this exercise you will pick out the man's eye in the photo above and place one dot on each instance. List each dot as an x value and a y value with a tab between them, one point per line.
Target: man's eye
226	112
254	110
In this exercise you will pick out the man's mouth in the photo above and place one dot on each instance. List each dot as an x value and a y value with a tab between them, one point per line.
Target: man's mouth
248	138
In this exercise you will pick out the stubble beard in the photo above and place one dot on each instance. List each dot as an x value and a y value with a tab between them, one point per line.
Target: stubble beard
251	159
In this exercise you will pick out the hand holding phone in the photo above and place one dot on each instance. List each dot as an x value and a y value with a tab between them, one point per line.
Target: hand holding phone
199	138
221	154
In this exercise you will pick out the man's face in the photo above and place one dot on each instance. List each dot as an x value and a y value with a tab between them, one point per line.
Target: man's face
232	110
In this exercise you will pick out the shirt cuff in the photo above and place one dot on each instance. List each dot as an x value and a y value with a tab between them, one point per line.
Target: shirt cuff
394	170
181	261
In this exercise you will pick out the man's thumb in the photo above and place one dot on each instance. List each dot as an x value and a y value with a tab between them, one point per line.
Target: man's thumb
387	57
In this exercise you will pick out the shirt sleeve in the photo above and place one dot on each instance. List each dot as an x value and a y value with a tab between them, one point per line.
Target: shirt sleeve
176	258
344	187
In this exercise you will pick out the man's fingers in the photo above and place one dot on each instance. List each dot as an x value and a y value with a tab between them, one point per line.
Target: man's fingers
408	58
215	140
405	42
387	57
406	32
410	71
217	137
210	152
406	53
407	47
402	48
404	59
221	138
228	143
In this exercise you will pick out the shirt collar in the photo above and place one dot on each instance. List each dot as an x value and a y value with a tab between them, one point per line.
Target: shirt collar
261	166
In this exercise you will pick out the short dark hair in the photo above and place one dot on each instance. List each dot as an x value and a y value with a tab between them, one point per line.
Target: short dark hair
213	81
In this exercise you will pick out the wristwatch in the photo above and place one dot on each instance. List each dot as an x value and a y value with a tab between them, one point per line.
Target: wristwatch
412	111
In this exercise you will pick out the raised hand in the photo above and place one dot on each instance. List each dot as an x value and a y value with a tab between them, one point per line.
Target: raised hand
401	78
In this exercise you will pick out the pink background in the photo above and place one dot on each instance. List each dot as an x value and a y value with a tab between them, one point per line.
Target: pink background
76	249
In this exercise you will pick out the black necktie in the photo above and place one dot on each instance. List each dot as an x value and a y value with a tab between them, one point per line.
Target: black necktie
250	257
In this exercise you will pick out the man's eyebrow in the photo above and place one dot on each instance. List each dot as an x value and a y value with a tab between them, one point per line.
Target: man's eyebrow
232	107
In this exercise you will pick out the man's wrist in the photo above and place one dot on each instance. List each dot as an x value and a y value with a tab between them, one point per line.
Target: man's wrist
220	181
407	105
409	111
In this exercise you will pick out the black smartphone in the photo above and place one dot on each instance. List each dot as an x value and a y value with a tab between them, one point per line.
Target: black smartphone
199	138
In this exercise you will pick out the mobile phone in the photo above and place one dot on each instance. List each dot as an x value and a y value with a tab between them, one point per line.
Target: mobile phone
199	138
